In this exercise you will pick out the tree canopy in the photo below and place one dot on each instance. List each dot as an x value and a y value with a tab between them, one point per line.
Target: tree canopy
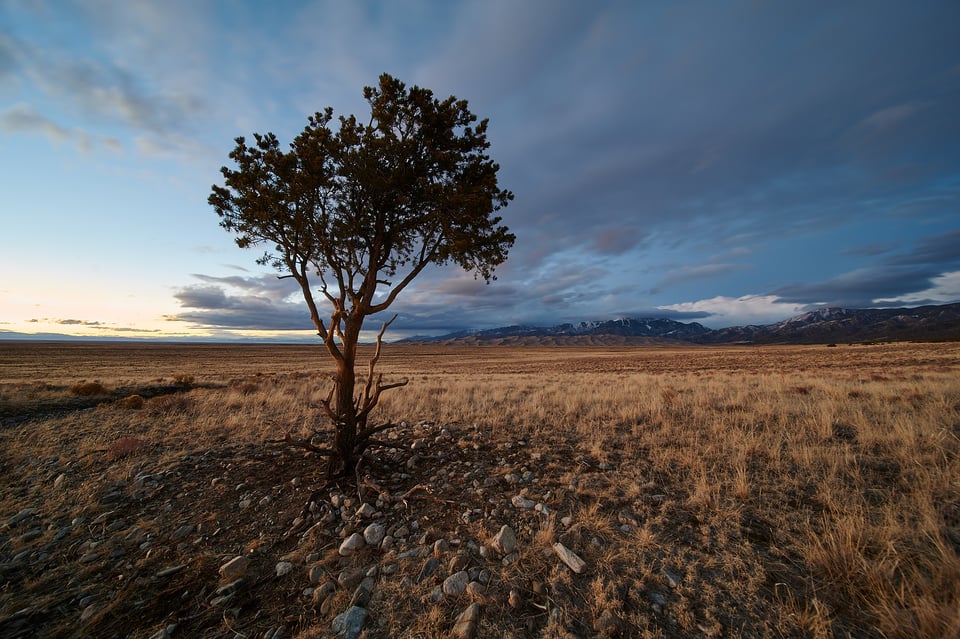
364	207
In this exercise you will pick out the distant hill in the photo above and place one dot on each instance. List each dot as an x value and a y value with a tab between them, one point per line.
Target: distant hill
822	326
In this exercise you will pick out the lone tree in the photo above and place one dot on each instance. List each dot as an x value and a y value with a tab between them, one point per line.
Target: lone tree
365	208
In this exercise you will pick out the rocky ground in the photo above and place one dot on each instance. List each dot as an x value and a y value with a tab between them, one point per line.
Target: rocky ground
460	537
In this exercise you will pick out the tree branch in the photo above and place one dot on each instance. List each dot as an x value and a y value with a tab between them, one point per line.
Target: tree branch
302	443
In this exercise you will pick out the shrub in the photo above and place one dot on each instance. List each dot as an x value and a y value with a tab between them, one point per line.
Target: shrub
88	389
134	402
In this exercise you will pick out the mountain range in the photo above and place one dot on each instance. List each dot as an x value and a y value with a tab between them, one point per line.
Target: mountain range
821	326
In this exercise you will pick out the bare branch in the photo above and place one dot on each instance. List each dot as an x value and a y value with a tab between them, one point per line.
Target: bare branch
374	360
302	443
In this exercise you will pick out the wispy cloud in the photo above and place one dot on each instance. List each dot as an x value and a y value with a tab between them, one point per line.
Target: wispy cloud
22	118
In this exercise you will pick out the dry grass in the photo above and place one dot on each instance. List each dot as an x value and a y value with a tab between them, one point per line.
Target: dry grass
736	492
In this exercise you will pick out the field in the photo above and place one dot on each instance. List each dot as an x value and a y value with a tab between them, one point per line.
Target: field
709	492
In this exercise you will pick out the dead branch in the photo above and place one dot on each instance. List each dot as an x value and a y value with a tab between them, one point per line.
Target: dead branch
410	494
300	442
373	363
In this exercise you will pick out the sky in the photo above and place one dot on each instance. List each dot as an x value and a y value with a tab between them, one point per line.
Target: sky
728	163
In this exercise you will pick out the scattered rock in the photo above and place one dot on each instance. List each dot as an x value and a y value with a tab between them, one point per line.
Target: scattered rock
476	589
466	625
505	541
20	516
283	568
456	584
673	579
366	511
361	596
166	572
349	579
234	568
349	624
519	501
428	568
351	544
316	574
515	599
570	558
374	534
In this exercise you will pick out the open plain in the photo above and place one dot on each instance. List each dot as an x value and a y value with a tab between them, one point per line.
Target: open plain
528	492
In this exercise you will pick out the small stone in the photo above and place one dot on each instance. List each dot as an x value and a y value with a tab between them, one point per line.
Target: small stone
283	568
366	510
351	544
456	584
458	562
575	563
349	624
466	625
673	579
374	534
519	501
228	589
316	574
20	516
387	543
476	589
428	568
349	579
58	482
326	606
30	535
606	466
440	546
515	599
166	572
505	541
543	509
181	533
234	568
361	596
88	612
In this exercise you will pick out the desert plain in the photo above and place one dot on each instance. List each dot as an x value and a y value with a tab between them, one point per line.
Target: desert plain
748	491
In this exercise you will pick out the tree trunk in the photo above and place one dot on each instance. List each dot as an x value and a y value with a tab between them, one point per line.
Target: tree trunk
345	457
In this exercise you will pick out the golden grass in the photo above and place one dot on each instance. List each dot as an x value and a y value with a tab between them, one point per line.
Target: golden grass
800	491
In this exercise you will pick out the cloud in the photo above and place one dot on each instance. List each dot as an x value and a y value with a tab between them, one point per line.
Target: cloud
262	302
22	118
66	322
897	276
702	271
723	311
616	241
944	288
103	91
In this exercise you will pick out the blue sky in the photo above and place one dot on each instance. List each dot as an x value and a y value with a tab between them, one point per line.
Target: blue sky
723	162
